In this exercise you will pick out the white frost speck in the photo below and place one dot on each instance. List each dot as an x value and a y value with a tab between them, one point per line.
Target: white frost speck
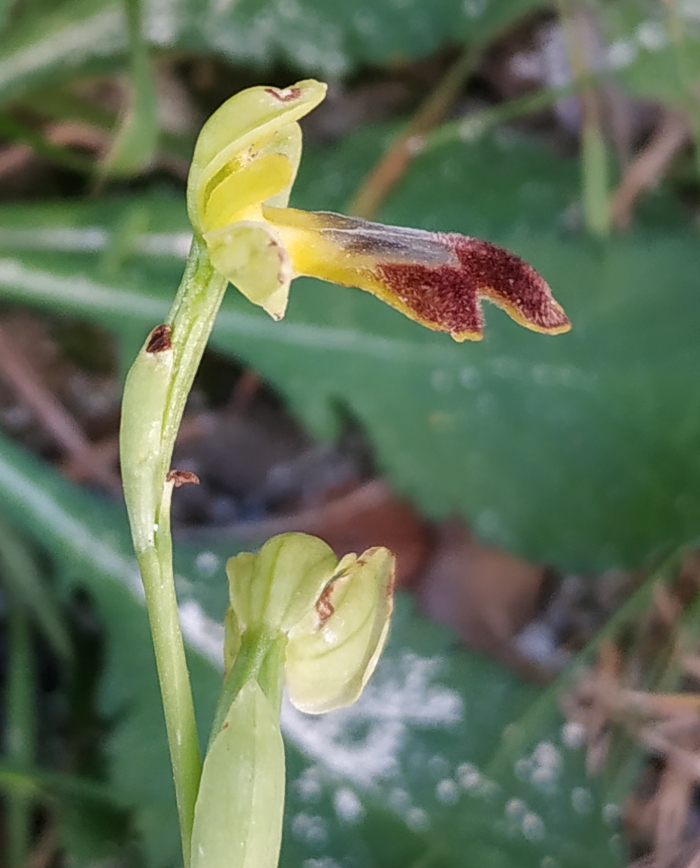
651	35
469	377
573	734
439	765
621	54
544	778
473	8
515	809
612	814
207	563
582	800
322	862
347	805
447	792
310	828
469	777
399	799
532	826
417	820
308	785
489	790
545	754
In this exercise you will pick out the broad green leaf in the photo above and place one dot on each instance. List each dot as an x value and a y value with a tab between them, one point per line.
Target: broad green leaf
446	759
85	36
579	449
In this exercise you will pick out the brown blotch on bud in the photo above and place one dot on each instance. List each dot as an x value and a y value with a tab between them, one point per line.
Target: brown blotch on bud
324	606
291	93
182	477
159	340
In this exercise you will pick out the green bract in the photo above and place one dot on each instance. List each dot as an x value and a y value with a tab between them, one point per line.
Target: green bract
238	816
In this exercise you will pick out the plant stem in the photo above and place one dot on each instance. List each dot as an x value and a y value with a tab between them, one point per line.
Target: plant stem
191	319
176	692
261	656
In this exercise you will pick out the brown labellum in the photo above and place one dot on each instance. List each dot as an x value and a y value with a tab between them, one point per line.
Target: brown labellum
447	297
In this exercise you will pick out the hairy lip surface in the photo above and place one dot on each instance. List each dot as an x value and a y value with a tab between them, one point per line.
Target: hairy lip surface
447	297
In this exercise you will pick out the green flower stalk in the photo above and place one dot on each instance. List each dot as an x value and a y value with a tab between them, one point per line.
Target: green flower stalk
296	615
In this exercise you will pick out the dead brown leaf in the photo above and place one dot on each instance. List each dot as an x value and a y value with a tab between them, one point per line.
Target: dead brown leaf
486	595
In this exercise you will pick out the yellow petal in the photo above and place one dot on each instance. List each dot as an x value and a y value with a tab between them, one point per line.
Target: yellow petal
240	194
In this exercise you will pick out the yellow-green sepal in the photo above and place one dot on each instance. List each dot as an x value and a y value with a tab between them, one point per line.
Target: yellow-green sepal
276	587
333	650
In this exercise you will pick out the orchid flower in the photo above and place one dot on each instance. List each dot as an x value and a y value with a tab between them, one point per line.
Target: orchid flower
243	169
297	616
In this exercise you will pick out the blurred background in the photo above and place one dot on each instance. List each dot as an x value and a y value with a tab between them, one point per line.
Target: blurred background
539	701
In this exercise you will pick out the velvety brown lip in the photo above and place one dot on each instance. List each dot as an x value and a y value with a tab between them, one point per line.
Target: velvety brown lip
447	297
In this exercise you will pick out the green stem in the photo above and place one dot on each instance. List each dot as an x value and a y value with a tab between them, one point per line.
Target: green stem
191	319
261	656
173	675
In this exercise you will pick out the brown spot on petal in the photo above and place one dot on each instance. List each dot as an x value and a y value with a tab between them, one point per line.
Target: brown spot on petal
291	93
159	340
324	606
446	297
182	477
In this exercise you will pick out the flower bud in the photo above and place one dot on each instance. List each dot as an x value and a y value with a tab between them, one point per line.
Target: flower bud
334	649
277	587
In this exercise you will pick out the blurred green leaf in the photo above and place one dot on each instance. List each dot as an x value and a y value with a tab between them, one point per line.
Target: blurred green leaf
440	762
643	48
27	590
87	36
134	145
